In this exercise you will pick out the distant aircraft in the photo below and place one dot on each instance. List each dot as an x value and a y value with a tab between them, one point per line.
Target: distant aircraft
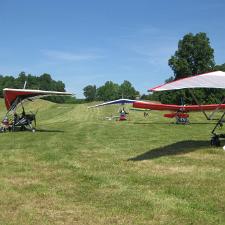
214	79
122	112
179	112
15	97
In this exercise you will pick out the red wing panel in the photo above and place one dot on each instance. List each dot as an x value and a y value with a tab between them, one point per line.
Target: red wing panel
15	96
182	115
153	106
210	107
185	108
10	97
170	115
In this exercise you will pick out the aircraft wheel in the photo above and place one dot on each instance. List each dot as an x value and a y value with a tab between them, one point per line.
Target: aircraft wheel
215	141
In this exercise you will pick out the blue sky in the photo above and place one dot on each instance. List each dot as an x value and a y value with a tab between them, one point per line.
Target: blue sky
84	42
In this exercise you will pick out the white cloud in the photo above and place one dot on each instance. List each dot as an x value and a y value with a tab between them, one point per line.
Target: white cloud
69	56
156	55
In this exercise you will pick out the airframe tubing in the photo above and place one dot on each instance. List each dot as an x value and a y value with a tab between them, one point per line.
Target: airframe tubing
210	117
196	100
220	121
213	112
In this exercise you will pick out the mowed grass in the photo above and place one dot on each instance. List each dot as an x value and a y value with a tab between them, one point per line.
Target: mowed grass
81	169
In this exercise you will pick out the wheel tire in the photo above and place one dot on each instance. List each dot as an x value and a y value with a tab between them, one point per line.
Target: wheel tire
212	142
218	143
215	141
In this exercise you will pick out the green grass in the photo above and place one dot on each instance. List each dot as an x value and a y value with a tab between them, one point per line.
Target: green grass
81	169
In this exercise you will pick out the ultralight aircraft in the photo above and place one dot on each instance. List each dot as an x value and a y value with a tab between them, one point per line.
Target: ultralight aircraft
122	112
15	97
214	79
179	112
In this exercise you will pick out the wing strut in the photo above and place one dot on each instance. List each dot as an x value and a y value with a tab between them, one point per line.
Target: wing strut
217	108
210	117
198	103
215	140
220	122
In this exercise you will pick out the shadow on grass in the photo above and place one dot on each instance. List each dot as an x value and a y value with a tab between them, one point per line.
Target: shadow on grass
174	123
166	123
178	148
49	131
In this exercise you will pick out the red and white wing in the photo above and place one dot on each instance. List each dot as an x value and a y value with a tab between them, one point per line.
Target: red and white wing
13	97
207	80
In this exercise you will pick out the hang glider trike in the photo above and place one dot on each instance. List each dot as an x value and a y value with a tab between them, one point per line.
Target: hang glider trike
179	112
16	97
214	79
122	111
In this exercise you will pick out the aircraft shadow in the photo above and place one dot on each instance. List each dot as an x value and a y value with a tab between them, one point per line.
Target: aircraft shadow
200	123
173	123
49	131
178	148
139	123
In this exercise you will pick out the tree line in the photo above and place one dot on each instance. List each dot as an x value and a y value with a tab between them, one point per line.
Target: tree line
42	82
110	91
193	56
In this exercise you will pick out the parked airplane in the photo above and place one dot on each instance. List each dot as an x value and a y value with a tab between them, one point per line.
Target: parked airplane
179	112
214	79
15	97
122	111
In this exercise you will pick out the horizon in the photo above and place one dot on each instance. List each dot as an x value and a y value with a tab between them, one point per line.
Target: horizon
88	43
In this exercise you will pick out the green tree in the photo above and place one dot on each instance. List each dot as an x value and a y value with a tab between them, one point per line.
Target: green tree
220	67
126	90
109	91
90	92
194	56
20	80
44	82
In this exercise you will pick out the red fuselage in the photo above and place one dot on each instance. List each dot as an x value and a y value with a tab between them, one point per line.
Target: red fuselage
182	108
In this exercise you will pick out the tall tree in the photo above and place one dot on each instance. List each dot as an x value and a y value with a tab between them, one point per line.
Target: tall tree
45	82
220	67
109	91
20	81
90	92
126	90
194	56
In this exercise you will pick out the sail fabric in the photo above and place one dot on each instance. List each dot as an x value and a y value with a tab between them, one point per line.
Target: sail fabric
207	80
13	97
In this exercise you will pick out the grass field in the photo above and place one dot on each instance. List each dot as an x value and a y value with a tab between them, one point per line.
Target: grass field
81	169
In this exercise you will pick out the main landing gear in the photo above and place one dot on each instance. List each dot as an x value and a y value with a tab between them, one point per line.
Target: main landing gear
215	140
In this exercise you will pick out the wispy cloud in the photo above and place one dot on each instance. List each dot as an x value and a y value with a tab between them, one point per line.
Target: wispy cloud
70	56
147	43
155	55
